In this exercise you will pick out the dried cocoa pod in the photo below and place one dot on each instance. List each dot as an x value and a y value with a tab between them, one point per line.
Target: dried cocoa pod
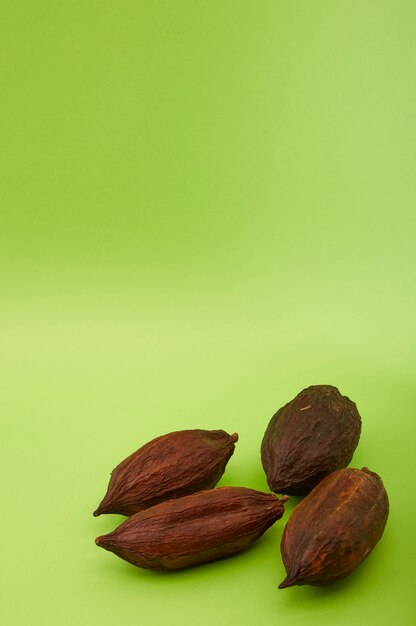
334	528
308	438
194	529
169	466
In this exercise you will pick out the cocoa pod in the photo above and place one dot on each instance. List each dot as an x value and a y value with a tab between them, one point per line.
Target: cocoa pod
308	438
334	528
169	466
194	529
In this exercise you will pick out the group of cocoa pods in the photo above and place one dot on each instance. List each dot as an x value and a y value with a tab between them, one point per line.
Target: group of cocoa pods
177	518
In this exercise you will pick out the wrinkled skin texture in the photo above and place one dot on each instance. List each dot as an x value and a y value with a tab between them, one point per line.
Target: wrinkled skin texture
307	439
170	466
195	529
334	528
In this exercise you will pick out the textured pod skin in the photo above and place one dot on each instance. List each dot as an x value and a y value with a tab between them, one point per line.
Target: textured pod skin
307	439
334	528
169	466
195	529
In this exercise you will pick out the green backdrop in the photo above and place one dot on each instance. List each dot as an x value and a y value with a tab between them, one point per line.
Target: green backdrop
205	207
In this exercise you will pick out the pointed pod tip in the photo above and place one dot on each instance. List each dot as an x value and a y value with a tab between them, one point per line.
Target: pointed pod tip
234	437
100	509
103	507
105	541
284	498
289	581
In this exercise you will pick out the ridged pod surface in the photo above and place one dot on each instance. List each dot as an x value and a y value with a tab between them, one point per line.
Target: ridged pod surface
194	529
170	466
308	438
334	528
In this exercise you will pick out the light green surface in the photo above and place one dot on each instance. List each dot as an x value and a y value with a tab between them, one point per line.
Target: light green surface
205	207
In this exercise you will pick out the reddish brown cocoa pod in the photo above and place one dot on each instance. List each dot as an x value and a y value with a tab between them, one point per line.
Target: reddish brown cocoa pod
308	438
170	466
195	529
334	528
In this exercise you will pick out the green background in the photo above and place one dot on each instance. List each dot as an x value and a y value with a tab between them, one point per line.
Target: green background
205	207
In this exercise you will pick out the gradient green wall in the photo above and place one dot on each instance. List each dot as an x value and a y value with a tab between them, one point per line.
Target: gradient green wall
205	206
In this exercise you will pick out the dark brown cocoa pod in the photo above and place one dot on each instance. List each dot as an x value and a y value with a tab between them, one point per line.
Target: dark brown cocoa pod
169	466
308	438
194	529
334	528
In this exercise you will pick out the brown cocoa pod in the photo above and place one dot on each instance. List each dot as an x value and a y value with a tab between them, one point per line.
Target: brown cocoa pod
308	438
169	466
194	529
334	528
